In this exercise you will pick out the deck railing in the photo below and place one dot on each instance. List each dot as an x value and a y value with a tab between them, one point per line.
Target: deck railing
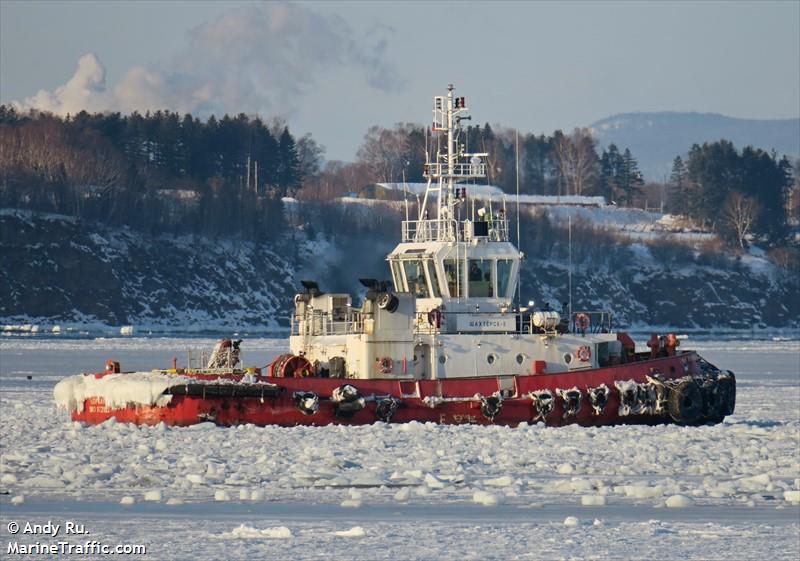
323	323
432	230
595	322
462	170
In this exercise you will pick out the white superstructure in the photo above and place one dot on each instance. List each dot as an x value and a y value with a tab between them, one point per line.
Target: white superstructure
453	311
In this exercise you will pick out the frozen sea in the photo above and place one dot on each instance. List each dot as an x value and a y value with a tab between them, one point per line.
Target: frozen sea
409	492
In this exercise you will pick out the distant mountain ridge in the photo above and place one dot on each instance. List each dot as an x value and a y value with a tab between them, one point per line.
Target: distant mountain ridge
656	138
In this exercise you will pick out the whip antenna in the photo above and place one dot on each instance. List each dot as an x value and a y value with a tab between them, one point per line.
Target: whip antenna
569	234
519	249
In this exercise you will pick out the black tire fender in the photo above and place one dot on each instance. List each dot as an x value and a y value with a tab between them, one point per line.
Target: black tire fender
685	402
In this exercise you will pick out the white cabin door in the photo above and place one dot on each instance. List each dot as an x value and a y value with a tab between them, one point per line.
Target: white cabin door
422	362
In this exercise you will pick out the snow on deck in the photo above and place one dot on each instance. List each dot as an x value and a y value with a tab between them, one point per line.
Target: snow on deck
117	390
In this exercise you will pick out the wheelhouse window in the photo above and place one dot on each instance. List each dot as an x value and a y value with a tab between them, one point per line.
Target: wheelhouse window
434	276
415	277
503	276
479	274
453	277
397	276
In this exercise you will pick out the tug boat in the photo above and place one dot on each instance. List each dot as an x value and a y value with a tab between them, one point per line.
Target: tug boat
445	341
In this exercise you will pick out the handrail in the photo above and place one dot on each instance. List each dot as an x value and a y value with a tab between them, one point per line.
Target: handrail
462	170
434	229
321	323
595	322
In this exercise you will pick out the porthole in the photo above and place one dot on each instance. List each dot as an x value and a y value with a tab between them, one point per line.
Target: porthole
520	358
442	359
567	358
491	357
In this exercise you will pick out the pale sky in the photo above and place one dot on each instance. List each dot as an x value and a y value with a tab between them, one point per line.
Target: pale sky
335	68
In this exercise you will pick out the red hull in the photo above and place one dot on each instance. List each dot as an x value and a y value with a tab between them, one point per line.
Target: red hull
453	401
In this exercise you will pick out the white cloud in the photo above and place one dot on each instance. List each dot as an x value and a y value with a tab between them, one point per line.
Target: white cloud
260	58
84	90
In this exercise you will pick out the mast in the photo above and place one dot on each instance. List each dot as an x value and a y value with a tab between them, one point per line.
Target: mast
451	153
443	172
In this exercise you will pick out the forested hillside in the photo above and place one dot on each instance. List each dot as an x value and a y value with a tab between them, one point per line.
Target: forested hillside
162	219
158	172
163	172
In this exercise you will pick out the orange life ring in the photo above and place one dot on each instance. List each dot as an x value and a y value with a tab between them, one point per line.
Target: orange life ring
384	365
584	353
582	322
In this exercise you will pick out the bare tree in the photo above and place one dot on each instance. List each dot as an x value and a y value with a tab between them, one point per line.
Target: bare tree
740	212
384	151
585	163
577	161
311	156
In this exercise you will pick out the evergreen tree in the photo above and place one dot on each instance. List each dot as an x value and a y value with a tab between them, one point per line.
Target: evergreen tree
288	174
677	199
629	178
712	174
611	170
536	154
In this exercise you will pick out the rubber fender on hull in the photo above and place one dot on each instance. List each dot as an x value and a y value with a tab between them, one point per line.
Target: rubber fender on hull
727	393
712	404
685	402
598	397
348	401
571	399
385	408
543	403
490	406
307	402
723	396
225	390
